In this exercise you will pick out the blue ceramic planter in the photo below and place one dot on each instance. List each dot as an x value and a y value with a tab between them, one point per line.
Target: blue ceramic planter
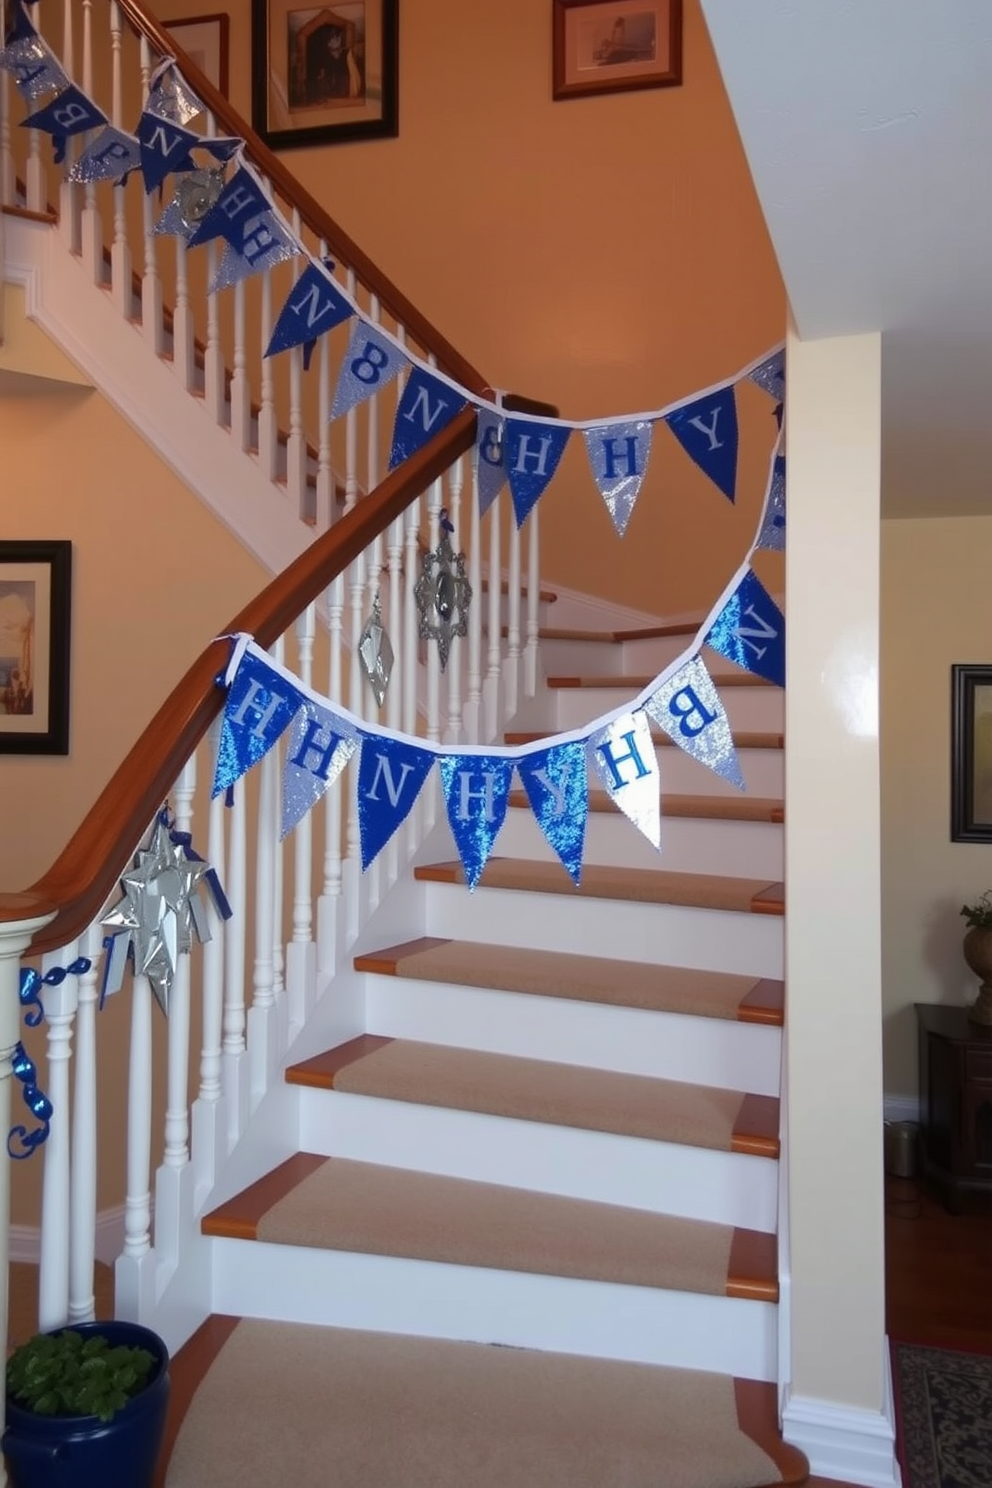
83	1451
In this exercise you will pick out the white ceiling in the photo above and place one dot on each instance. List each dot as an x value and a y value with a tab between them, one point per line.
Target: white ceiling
868	128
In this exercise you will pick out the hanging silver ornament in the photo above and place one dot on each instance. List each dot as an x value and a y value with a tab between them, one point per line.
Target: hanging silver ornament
196	193
443	593
376	653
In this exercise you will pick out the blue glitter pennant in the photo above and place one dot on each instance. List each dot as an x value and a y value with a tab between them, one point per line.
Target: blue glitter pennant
427	405
165	148
370	364
533	452
261	705
314	305
112	156
476	793
618	455
21	1143
236	212
750	630
689	710
769	375
69	113
320	745
391	775
490	445
266	243
707	431
771	534
625	761
557	784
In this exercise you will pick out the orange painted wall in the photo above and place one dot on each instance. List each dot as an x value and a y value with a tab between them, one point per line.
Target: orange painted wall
606	254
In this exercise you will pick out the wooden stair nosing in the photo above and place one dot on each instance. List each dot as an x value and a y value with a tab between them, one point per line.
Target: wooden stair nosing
752	1268
764	1003
617	637
711	807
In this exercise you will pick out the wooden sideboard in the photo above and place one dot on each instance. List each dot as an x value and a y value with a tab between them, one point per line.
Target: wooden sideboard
955	1101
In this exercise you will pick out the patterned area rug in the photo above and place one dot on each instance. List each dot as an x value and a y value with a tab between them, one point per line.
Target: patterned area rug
943	1416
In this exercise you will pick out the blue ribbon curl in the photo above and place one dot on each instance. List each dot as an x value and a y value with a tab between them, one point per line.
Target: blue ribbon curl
37	1103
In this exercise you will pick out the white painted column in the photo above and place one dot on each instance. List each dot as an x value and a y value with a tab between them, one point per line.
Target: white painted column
837	1407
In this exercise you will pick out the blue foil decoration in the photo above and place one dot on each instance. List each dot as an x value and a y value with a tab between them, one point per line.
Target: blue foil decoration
476	793
165	148
314	305
370	364
689	710
234	214
260	706
112	156
391	775
320	745
426	407
625	761
769	375
557	784
533	453
490	446
707	431
37	1103
267	243
69	113
750	630
30	990
618	456
771	534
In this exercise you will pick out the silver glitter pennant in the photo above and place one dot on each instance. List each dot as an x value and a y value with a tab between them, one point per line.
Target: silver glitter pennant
625	761
375	653
772	532
270	244
320	745
33	66
618	456
689	710
111	157
171	97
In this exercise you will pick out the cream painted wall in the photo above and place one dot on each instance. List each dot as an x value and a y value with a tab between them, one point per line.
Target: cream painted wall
607	254
936	611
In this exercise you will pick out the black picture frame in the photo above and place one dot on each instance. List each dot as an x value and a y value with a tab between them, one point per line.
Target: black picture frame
971	753
35	626
323	77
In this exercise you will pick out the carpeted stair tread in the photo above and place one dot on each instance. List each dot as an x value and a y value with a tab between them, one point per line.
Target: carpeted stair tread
743	738
600	881
257	1402
669	989
632	684
711	807
540	1090
370	1209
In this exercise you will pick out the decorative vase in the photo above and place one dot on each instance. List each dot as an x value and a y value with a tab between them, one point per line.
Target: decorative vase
977	948
83	1451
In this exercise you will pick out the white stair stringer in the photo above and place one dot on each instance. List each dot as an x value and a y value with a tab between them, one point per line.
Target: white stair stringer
112	352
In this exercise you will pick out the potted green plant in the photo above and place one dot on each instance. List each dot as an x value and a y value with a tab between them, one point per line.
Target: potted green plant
977	948
86	1405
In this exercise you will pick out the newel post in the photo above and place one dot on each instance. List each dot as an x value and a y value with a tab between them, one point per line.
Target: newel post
20	919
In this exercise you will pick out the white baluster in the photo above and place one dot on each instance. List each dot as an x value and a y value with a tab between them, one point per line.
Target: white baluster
151	284
326	505
137	1204
91	227
511	666
268	428
120	253
411	626
296	442
328	910
533	604
351	875
301	953
213	357
173	1182
454	732
278	959
435	500
240	386
235	1065
83	1176
68	191
262	1013
473	694
208	1132
492	692
53	1279
183	361
7	172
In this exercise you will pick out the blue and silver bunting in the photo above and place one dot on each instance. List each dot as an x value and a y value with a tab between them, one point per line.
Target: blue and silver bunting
320	744
391	774
750	630
769	375
689	710
195	193
557	784
266	243
476	793
261	705
112	156
618	457
490	447
313	306
69	113
771	534
428	404
707	431
626	763
533	453
170	96
29	59
370	364
165	148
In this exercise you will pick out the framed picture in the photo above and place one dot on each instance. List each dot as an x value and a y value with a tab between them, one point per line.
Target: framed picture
611	46
320	76
971	754
35	593
204	39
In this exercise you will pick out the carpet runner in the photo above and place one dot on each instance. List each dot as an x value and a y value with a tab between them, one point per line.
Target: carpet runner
943	1416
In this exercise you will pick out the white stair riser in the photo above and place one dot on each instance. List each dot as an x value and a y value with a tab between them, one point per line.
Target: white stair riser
724	1335
578	658
746	707
763	771
602	1167
688	844
628	1040
715	940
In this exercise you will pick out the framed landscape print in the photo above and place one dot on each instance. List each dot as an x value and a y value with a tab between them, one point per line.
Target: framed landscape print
322	74
611	46
35	593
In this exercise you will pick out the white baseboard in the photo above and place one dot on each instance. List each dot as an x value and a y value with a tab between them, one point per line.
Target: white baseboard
901	1107
845	1442
25	1240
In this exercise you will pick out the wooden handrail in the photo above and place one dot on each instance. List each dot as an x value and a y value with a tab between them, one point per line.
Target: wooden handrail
81	880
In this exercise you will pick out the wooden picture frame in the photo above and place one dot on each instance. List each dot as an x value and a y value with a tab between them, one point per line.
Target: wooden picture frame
615	46
35	609
971	753
324	76
206	41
